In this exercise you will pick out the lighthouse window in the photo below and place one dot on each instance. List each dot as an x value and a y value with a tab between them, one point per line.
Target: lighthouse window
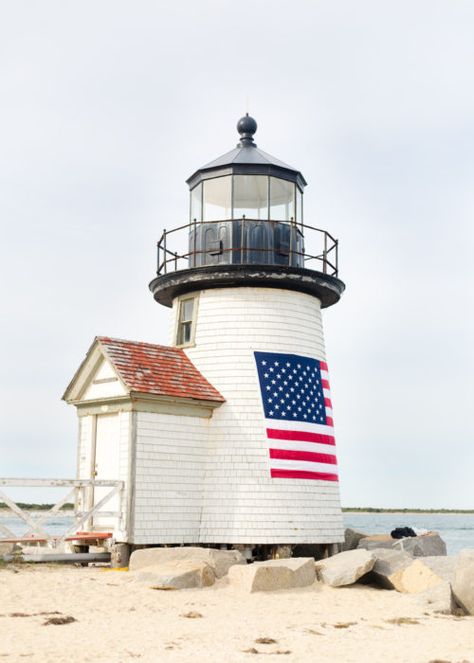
299	206
196	203
185	321
282	200
251	196
217	199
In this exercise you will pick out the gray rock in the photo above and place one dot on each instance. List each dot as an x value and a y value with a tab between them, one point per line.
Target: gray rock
352	538
177	574
219	560
425	545
376	542
273	574
424	573
444	567
344	568
438	599
388	567
463	583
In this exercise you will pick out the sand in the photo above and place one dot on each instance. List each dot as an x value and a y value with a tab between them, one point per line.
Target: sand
117	619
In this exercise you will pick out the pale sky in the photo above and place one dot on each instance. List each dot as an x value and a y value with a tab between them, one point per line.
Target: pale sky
107	107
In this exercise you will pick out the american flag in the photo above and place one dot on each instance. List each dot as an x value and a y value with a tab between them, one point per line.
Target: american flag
298	416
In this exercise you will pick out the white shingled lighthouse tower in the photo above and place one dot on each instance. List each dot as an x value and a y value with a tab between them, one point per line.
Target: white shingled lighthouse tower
246	301
226	436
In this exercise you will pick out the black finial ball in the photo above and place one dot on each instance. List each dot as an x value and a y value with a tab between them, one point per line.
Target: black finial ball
246	126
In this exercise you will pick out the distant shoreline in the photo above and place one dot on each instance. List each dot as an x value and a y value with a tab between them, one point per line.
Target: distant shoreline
377	510
368	509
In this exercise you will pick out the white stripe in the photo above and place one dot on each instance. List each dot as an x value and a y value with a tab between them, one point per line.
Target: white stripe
325	375
326	393
308	427
314	447
304	465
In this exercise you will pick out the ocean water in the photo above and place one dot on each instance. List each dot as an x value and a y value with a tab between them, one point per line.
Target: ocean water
457	530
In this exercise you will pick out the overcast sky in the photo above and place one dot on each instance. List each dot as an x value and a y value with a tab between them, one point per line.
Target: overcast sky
107	107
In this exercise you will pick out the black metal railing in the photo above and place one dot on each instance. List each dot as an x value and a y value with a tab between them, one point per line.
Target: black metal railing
306	246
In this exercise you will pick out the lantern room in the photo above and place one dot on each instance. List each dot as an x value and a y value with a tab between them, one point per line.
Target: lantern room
233	198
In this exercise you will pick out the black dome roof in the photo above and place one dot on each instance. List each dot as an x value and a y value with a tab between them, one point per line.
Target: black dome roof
246	159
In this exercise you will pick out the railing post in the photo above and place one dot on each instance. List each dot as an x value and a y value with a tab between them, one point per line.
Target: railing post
292	230
158	247
165	261
337	257
242	240
175	261
325	253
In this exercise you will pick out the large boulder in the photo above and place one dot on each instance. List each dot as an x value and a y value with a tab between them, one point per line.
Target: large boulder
273	574
463	582
376	541
345	568
176	574
424	573
425	545
352	538
219	560
438	599
388	567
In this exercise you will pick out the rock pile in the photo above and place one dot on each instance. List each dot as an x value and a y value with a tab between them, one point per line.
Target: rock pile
412	565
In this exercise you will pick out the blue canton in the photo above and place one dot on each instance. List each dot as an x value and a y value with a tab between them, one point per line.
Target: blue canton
291	387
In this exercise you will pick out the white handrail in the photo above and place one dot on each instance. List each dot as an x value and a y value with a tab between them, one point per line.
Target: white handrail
80	515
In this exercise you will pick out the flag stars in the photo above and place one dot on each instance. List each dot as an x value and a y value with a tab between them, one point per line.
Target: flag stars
291	388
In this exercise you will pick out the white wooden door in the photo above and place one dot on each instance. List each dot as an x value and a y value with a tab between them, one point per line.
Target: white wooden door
106	466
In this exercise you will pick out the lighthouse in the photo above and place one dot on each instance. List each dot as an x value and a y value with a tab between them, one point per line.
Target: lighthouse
225	437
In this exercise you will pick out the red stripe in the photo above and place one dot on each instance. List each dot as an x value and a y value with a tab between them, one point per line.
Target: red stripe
329	421
327	402
299	436
323	365
325	384
286	454
301	474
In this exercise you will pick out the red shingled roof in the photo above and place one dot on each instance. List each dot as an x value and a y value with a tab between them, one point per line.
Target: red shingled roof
157	369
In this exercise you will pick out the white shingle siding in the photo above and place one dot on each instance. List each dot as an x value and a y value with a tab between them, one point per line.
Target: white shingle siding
241	503
195	479
171	452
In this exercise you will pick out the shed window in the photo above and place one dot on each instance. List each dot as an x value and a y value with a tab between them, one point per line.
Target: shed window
185	321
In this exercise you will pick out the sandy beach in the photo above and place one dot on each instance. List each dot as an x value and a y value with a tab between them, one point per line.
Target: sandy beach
117	619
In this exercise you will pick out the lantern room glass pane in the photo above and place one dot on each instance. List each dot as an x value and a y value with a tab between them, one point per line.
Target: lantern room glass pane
282	199
217	198
299	205
196	203
251	196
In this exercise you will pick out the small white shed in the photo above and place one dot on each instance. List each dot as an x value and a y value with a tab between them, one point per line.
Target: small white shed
143	413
